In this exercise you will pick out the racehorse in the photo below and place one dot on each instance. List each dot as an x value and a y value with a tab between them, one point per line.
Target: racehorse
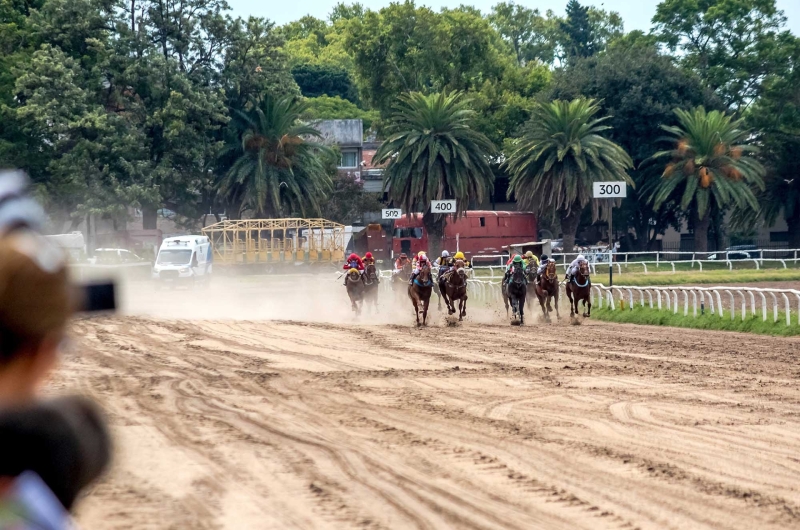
420	293
355	289
547	290
371	286
580	288
453	286
516	291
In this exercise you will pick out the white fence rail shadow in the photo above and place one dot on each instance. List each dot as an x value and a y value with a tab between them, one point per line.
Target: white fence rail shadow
715	299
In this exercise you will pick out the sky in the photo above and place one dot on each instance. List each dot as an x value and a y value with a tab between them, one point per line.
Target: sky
635	13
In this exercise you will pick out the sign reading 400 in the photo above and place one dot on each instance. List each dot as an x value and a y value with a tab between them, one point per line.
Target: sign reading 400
448	206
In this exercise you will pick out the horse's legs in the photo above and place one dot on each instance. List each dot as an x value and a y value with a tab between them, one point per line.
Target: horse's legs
464	311
425	304
588	305
522	310
569	297
541	303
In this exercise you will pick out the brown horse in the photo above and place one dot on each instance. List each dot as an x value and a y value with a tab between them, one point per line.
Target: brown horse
420	293
580	288
355	289
371	286
546	290
453	285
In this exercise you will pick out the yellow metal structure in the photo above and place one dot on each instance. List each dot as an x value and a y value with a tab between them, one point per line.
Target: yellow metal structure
250	241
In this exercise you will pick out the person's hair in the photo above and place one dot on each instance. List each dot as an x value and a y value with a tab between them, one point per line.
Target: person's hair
64	441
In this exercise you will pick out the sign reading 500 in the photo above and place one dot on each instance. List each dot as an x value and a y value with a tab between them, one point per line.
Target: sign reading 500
448	206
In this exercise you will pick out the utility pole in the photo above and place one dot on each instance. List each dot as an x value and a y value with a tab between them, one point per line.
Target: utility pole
610	243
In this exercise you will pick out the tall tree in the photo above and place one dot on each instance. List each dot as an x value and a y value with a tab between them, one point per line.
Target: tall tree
531	35
733	46
579	35
709	166
561	153
776	116
637	89
278	167
431	153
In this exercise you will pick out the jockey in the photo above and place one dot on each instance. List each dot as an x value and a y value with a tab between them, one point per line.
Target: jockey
516	262
542	267
353	262
422	259
369	260
531	259
575	265
444	260
401	260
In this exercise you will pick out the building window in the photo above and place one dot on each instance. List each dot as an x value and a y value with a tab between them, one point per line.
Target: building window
349	159
483	221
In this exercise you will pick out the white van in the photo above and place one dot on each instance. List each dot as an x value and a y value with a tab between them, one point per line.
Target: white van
184	259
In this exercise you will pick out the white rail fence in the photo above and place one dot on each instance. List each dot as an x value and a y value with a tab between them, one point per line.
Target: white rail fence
680	298
657	260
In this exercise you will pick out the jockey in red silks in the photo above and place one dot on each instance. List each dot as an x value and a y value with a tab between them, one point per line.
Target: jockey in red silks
422	259
353	262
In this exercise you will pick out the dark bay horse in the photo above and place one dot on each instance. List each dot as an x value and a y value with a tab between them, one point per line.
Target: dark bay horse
355	289
580	288
420	293
371	286
515	293
547	290
453	286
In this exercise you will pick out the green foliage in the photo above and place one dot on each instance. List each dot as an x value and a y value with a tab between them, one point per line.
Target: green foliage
636	87
560	155
347	202
432	152
709	162
322	80
404	48
336	108
654	317
279	169
733	46
777	116
532	36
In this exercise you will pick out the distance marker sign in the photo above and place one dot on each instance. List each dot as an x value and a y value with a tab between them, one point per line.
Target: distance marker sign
391	213
609	190
448	206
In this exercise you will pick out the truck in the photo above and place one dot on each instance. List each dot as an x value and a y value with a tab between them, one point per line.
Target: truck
477	232
184	260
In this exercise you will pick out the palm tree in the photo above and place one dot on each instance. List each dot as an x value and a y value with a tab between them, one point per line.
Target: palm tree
278	166
560	155
708	167
433	153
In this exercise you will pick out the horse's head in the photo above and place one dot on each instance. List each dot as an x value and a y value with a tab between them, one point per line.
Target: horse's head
459	264
425	270
407	266
583	268
518	275
550	271
371	271
353	275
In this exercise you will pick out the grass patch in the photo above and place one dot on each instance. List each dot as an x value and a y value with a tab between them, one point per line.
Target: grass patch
696	277
654	317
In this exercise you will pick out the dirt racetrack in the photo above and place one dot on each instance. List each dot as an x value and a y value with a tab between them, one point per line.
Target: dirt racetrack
277	424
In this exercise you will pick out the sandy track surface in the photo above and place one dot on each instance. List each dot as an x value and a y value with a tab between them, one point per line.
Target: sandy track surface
237	424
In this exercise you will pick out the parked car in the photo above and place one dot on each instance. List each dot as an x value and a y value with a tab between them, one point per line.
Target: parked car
738	252
114	256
